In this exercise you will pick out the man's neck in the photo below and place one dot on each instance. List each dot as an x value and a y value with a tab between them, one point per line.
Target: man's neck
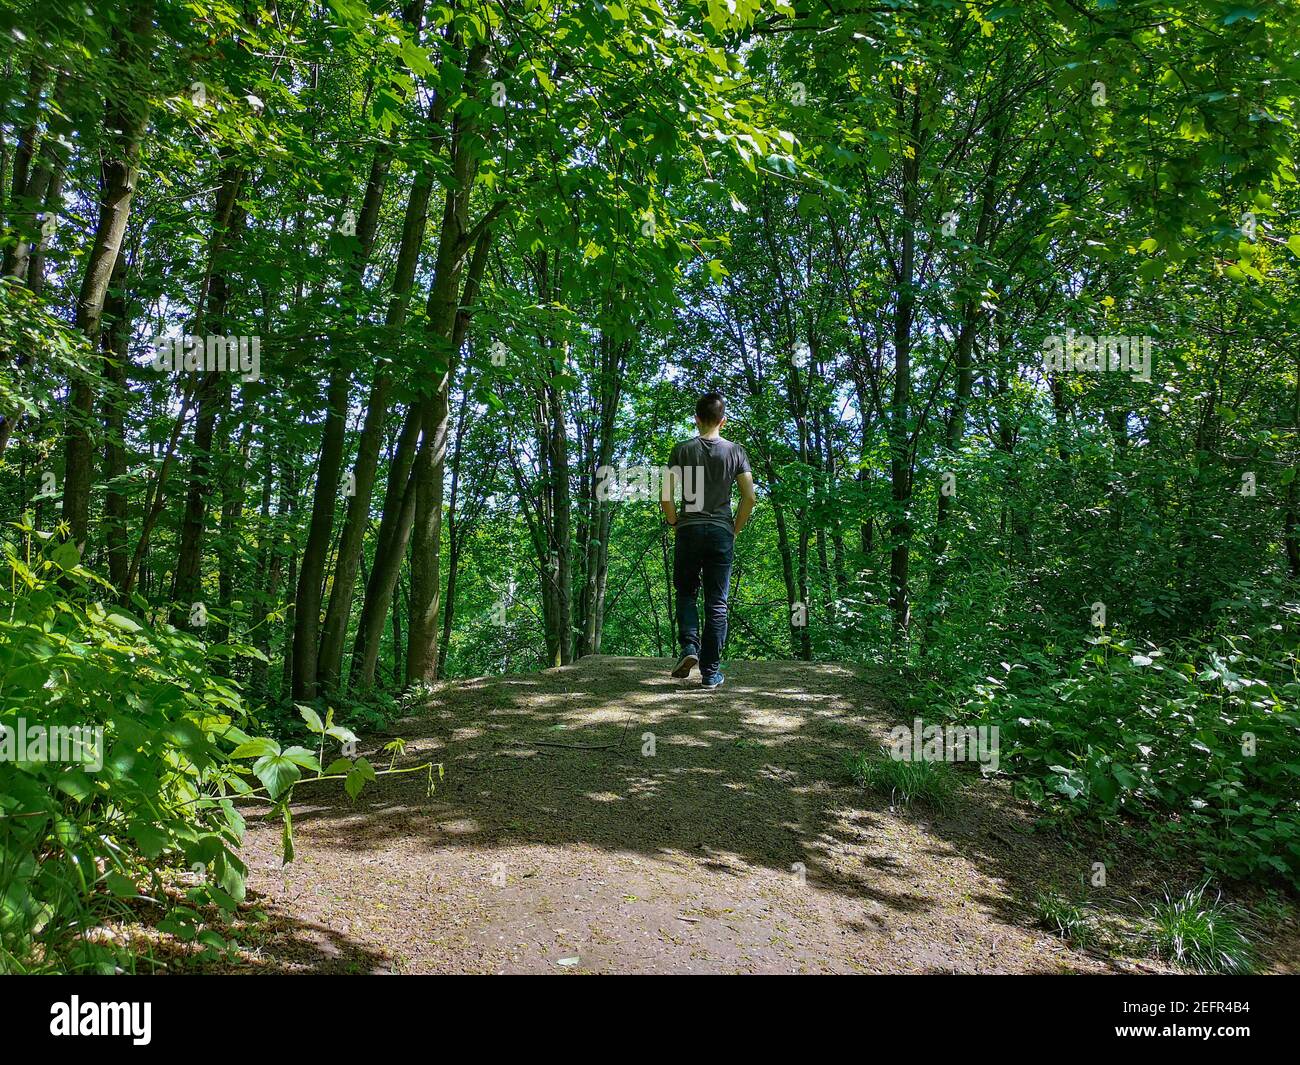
711	434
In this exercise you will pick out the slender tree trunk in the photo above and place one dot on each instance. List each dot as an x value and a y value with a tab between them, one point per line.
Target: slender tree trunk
125	121
390	546
796	607
309	643
268	572
211	399
234	469
398	660
32	186
426	555
357	521
804	631
455	240
562	514
37	77
291	575
594	540
319	530
952	440
900	460
455	534
53	200
114	414
1291	519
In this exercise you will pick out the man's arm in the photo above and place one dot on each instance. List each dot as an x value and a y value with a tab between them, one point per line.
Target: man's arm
667	493
747	500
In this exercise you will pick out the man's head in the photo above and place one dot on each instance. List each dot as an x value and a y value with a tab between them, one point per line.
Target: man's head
710	412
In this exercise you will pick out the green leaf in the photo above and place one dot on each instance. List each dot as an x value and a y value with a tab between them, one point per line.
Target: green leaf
417	59
75	783
152	841
232	875
361	772
276	772
120	886
256	748
1127	779
303	757
1151	270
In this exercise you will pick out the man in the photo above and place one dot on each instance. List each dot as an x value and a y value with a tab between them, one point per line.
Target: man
705	469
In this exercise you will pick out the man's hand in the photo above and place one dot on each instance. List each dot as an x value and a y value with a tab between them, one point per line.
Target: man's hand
667	493
747	501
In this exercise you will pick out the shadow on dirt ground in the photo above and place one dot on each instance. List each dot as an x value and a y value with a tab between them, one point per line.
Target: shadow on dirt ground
679	830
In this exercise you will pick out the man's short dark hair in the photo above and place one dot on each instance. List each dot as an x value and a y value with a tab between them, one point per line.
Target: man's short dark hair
710	410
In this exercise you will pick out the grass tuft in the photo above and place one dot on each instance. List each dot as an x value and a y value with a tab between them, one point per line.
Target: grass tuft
905	782
1066	919
1200	933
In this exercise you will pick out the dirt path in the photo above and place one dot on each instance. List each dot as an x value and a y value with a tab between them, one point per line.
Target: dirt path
738	846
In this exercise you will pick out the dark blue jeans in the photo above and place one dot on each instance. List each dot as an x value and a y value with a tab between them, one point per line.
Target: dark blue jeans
703	557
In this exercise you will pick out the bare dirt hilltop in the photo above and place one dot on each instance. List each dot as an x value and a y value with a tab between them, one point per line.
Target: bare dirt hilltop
738	845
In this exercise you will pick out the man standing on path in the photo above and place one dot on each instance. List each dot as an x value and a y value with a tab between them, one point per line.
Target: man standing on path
704	469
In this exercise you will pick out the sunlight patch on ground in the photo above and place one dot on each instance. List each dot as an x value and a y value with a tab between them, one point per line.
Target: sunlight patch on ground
463	826
773	720
604	796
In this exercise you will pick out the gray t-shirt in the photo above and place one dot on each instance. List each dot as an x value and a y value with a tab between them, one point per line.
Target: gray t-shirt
706	468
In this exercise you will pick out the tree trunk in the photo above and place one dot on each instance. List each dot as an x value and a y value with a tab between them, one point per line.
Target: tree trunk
455	533
265	581
125	121
291	576
1291	519
455	240
357	521
114	414
320	528
594	537
900	460
308	644
211	398
234	468
390	547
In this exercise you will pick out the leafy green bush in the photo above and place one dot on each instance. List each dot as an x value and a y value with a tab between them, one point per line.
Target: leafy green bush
1200	742
78	841
73	840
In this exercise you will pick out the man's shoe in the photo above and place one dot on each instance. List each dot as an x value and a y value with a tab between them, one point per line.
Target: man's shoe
684	667
714	681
